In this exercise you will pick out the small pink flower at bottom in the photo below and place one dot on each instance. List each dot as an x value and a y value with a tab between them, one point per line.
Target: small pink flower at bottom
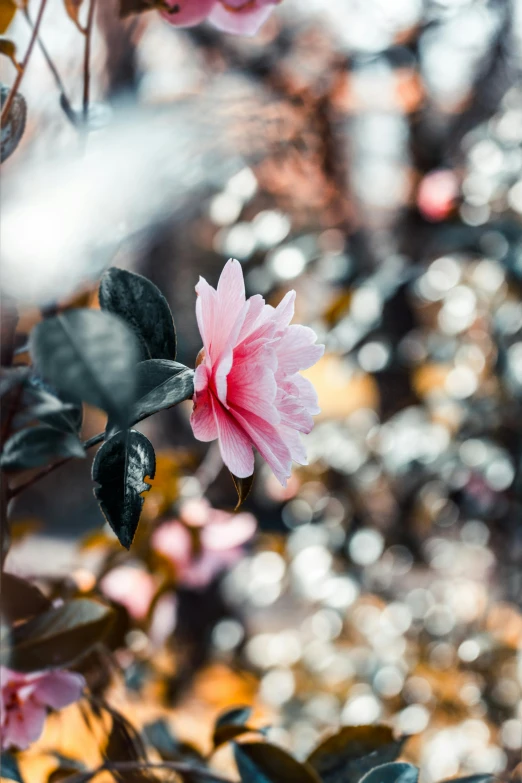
248	390
25	698
242	17
221	537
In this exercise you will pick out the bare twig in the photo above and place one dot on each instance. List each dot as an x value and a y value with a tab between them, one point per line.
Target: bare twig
23	67
129	766
87	61
64	100
52	467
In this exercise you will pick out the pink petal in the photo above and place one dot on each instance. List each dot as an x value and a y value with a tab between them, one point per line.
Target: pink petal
296	350
284	312
189	13
293	414
234	444
205	311
307	394
239	22
196	512
254	388
23	726
131	587
202	418
59	689
293	440
268	442
230	300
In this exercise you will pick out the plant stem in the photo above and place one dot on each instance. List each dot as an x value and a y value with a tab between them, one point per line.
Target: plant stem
52	467
87	60
129	766
23	67
64	100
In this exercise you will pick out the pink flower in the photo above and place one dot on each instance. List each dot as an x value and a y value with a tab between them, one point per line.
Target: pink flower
248	390
24	699
213	544
131	587
242	17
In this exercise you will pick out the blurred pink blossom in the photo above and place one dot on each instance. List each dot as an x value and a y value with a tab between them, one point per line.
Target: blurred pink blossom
437	194
24	699
131	587
248	390
213	544
242	17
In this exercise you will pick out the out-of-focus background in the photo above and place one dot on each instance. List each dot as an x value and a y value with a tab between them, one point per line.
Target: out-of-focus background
366	153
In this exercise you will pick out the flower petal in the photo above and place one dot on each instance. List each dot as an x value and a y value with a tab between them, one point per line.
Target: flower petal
23	726
268	441
59	689
239	22
188	12
234	444
296	349
202	419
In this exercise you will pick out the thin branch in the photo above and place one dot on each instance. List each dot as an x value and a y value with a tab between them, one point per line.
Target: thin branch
52	467
129	766
87	61
64	100
23	66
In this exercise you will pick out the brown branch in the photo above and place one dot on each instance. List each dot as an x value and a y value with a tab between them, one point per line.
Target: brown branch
52	467
23	66
129	766
87	61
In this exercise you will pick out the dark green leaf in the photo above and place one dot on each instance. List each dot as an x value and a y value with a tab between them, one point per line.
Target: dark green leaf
142	305
42	402
58	637
231	724
160	384
9	767
14	126
11	377
36	446
89	356
125	744
261	762
120	468
397	772
243	487
20	599
353	751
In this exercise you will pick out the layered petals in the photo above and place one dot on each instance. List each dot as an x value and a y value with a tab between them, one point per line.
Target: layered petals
25	698
240	17
248	391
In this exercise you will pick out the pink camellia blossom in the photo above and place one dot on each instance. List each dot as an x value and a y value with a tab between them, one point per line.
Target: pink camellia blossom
213	544
25	698
248	390
241	17
133	588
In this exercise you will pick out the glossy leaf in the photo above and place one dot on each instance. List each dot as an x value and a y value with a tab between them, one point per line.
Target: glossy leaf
243	488
125	744
20	599
120	468
261	762
231	724
397	772
57	637
72	8
41	402
160	384
89	356
9	768
144	308
36	446
353	751
14	125
8	49
8	9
